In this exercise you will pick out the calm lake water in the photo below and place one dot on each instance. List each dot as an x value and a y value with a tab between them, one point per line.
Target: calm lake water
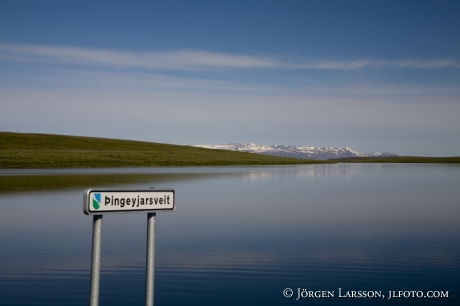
239	236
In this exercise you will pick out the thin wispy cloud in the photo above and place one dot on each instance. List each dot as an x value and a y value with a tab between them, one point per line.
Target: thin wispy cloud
199	59
375	64
188	60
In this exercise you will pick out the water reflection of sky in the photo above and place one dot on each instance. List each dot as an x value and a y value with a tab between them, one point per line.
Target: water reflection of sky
267	227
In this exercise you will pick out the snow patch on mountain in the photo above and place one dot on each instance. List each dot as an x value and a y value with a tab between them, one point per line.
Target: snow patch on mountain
318	153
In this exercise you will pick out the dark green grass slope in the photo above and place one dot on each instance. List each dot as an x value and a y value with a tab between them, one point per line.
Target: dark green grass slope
18	150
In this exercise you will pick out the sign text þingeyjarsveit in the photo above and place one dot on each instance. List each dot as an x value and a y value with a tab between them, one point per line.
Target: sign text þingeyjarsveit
98	201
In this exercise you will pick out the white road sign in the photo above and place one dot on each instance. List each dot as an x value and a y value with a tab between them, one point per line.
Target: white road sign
102	201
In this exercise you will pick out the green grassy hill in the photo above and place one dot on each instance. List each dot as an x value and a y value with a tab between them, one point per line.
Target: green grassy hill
19	150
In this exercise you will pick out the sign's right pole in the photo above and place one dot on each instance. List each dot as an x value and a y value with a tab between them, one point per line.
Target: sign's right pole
149	281
96	261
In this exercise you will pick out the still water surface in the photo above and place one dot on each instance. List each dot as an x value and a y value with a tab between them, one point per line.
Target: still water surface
238	236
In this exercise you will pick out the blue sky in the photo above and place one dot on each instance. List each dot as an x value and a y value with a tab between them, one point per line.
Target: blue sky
372	75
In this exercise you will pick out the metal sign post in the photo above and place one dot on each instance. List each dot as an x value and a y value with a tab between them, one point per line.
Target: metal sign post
150	269
96	260
97	202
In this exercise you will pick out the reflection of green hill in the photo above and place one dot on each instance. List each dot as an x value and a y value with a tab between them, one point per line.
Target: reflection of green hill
55	151
53	182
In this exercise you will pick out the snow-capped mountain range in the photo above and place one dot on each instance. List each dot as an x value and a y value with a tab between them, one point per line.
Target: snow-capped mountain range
318	153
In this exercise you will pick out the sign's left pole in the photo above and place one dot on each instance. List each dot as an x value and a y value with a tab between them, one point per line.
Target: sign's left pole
96	261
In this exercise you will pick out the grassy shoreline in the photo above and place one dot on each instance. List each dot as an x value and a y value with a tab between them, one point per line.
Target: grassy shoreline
31	151
400	159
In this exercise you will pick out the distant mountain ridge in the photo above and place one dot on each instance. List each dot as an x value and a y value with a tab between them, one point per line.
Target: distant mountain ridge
317	153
